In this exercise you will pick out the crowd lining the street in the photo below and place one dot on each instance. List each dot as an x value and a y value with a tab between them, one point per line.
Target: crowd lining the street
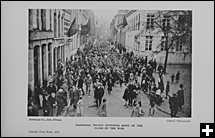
100	66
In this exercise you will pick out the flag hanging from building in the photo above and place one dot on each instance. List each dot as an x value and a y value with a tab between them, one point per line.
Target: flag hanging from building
72	29
124	21
113	28
85	29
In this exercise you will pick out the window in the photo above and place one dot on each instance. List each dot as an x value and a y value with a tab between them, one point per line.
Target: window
150	21
137	22
36	65
55	25
148	44
43	19
38	21
62	26
58	25
50	59
62	52
179	46
166	22
182	23
138	25
134	23
163	43
55	53
50	19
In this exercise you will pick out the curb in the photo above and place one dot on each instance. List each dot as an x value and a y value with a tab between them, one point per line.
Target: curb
164	111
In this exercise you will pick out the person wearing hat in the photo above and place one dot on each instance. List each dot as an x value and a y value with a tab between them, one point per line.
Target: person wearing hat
88	82
80	108
180	96
53	104
152	103
173	104
109	84
100	93
51	88
167	89
46	105
80	83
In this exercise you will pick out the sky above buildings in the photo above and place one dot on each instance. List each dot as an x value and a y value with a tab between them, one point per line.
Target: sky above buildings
107	15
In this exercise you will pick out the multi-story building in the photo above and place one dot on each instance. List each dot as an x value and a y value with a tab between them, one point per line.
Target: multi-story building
149	42
48	41
120	36
91	16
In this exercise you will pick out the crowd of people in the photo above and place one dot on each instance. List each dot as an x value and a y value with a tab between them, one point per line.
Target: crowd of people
100	66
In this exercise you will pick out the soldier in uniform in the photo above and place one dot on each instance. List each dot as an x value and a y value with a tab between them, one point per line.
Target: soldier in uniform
173	102
180	96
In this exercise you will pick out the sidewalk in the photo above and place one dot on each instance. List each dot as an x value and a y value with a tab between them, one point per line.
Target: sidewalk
185	79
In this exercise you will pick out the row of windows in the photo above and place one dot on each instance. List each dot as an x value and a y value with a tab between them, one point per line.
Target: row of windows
41	19
182	22
42	14
149	42
134	23
51	52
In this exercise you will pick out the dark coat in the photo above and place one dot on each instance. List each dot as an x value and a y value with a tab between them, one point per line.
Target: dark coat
46	106
109	85
126	94
51	89
180	97
61	99
80	83
177	76
173	103
96	92
100	92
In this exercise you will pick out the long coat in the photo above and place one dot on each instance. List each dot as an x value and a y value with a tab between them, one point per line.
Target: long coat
126	94
100	92
173	103
180	97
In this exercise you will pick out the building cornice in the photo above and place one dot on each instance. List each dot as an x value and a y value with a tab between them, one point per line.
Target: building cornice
129	13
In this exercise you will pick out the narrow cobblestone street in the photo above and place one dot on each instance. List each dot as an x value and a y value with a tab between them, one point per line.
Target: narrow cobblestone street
115	102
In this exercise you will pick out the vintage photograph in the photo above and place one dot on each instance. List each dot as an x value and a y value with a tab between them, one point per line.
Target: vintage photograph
109	63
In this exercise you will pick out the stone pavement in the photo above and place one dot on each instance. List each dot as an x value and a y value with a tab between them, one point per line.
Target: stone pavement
185	79
115	101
